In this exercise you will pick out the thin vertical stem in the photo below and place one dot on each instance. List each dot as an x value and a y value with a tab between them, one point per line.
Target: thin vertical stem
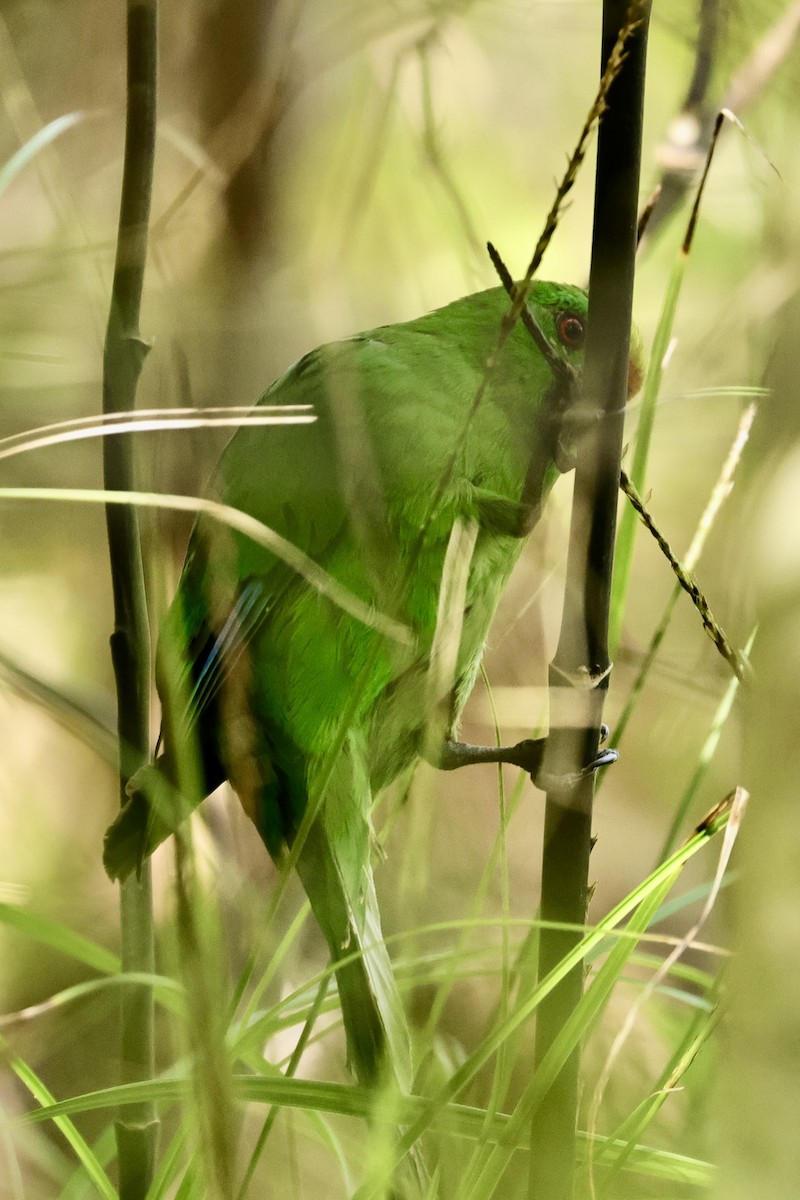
123	356
579	672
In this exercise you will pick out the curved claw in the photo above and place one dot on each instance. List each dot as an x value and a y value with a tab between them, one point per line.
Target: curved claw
563	783
604	759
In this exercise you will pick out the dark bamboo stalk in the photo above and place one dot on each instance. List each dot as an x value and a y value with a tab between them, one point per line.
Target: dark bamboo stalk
123	356
580	669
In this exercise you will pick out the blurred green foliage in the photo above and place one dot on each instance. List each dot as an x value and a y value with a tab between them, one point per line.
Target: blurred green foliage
322	169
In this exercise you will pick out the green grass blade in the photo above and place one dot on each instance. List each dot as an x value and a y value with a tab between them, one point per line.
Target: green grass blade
707	753
577	1026
104	1150
166	991
626	536
617	1151
667	872
83	1151
58	937
20	159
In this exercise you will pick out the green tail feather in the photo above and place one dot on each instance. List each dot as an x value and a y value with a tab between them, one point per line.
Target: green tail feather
378	1038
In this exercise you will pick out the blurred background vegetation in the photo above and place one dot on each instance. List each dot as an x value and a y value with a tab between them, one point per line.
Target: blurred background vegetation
324	168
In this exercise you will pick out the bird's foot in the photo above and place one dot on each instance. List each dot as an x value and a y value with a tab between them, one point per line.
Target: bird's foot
528	755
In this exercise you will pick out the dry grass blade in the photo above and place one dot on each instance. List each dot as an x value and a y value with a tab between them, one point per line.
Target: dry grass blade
734	658
153	420
241	522
719	494
733	806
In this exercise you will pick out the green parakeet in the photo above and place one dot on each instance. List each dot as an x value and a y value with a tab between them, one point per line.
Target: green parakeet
299	703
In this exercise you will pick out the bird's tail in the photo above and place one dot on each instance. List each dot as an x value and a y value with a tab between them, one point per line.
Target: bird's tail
378	1038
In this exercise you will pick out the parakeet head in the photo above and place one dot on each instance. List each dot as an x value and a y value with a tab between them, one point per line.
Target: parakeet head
561	312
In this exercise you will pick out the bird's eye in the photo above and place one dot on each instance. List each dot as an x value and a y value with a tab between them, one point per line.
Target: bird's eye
571	330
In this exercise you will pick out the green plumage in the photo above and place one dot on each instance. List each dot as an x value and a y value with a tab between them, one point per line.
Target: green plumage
293	700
